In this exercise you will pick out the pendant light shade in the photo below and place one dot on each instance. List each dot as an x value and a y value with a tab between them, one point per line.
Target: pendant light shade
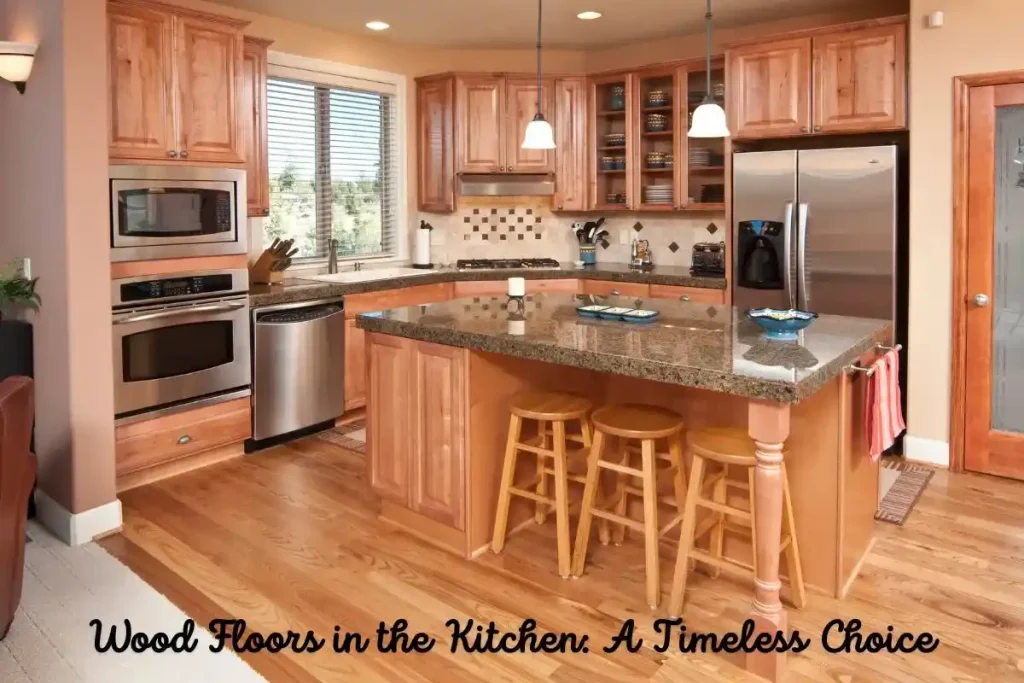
709	118
16	63
539	134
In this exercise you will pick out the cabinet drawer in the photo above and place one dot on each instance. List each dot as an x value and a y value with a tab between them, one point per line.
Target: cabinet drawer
154	442
563	286
485	288
397	298
697	295
603	288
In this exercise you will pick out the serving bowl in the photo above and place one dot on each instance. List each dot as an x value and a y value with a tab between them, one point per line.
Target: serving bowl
781	324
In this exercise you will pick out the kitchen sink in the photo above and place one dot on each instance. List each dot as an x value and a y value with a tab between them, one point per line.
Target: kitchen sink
368	275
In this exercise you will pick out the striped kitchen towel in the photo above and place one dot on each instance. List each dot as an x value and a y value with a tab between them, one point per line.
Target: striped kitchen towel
884	410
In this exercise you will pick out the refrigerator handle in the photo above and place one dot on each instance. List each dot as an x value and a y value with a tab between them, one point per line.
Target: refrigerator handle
801	258
787	256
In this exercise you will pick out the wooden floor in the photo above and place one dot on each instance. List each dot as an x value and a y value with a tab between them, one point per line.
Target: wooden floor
288	539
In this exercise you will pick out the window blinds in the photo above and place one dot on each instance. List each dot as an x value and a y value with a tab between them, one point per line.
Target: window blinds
333	169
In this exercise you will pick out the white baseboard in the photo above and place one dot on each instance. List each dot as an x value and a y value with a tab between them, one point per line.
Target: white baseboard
80	528
926	451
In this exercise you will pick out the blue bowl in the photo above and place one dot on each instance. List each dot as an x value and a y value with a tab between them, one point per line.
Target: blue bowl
781	324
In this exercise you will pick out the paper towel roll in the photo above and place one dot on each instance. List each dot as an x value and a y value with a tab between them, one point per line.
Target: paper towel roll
421	256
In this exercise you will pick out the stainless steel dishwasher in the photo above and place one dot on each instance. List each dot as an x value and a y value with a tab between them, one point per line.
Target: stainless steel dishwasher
298	377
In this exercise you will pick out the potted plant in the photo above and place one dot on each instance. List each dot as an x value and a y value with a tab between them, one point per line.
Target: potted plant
16	293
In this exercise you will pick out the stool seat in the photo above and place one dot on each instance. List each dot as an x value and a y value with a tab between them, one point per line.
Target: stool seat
634	421
728	445
550	406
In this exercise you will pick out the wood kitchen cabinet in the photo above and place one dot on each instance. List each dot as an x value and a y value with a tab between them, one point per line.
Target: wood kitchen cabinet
520	108
175	84
844	79
355	365
480	106
254	138
697	295
570	122
435	106
415	426
860	80
770	89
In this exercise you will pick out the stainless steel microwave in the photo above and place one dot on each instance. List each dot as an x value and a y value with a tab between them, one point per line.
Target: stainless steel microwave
159	212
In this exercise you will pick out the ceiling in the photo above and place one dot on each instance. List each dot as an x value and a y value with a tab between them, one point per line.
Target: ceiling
512	23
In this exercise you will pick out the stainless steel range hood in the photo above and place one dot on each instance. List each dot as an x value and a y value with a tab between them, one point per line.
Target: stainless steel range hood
506	185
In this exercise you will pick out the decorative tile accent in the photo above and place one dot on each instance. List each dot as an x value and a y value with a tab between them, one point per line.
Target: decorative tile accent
476	228
503	219
529	228
486	237
521	236
520	219
539	219
511	228
673	247
712	228
604	244
485	219
529	212
494	228
466	219
494	212
536	235
465	238
504	237
511	212
638	226
476	212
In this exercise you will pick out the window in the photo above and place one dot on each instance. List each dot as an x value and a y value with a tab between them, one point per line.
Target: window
334	168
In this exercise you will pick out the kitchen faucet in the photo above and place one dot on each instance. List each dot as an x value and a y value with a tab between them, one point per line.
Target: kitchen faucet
332	257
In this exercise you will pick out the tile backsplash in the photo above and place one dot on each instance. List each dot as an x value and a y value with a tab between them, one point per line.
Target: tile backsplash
514	227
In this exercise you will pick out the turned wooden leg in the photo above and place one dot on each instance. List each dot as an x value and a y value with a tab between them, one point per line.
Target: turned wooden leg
541	510
621	498
508	473
768	425
651	523
675	602
753	518
579	558
793	566
562	502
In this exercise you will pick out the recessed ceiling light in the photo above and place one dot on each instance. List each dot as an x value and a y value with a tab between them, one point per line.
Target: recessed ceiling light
377	25
589	15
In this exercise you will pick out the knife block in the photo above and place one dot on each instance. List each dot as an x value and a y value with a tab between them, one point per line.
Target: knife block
261	273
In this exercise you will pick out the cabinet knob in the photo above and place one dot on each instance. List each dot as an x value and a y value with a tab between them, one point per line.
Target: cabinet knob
184	439
804	129
684	297
184	154
817	128
172	154
615	292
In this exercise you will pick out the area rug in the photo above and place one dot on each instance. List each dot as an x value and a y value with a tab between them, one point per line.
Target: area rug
902	494
351	435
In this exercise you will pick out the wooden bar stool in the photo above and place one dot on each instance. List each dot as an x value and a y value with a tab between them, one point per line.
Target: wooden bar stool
646	424
546	408
727	447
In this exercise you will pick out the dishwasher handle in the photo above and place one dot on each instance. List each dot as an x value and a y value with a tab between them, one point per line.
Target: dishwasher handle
300	315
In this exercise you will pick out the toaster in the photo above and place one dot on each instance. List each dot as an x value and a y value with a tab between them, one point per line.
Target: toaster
708	259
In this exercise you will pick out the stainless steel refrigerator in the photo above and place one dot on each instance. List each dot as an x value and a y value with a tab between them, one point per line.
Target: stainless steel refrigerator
816	229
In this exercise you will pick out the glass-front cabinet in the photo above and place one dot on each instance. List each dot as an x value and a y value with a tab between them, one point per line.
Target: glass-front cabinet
704	183
659	137
611	142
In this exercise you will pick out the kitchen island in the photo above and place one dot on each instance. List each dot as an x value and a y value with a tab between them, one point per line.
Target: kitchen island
441	378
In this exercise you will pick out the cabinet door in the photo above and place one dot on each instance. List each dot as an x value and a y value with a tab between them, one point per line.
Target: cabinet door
860	80
570	137
140	72
480	103
389	411
770	89
435	105
208	64
355	365
439	450
521	107
254	138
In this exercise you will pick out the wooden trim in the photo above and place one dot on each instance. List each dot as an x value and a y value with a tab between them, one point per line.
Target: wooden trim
234	22
845	590
177	265
424	528
820	30
262	42
961	150
173	468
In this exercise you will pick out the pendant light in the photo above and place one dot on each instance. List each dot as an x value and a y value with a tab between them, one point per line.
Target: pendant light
709	117
539	134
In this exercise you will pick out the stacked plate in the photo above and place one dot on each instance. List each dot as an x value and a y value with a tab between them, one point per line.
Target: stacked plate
700	156
658	194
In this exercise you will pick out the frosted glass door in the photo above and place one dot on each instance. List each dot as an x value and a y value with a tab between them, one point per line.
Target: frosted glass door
1008	273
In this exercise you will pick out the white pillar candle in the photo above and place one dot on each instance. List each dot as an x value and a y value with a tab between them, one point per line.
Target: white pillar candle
517	286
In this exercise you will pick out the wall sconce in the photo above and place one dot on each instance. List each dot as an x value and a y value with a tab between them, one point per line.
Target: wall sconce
16	63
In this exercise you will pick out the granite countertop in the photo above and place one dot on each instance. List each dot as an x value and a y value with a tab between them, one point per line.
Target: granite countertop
693	345
294	290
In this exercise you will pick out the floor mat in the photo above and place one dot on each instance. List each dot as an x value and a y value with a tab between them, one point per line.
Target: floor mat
903	493
351	435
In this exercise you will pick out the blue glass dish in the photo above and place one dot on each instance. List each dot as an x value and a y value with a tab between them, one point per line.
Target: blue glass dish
781	324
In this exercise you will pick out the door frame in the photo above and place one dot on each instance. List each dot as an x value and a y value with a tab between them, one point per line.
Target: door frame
962	86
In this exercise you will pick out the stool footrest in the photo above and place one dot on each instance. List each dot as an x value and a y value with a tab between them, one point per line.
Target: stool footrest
612	517
725	509
668	527
622	469
531	495
724	563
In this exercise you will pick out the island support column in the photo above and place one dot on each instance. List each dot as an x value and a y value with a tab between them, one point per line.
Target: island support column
768	426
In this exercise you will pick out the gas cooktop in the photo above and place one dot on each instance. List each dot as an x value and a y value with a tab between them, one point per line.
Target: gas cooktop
506	264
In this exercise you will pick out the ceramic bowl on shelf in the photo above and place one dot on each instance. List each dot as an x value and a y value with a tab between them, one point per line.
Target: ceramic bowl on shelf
718	90
620	162
616	198
656	123
657	98
615	139
617	98
781	324
669	160
608	163
655	160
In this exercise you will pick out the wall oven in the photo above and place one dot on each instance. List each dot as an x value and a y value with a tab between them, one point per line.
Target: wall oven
180	340
159	212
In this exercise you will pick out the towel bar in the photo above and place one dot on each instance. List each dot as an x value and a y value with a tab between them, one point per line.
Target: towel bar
898	347
871	371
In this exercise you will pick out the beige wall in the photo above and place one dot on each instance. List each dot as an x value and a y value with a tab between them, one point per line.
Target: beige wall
978	37
53	210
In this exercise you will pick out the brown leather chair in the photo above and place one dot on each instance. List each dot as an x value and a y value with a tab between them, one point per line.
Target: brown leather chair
17	474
